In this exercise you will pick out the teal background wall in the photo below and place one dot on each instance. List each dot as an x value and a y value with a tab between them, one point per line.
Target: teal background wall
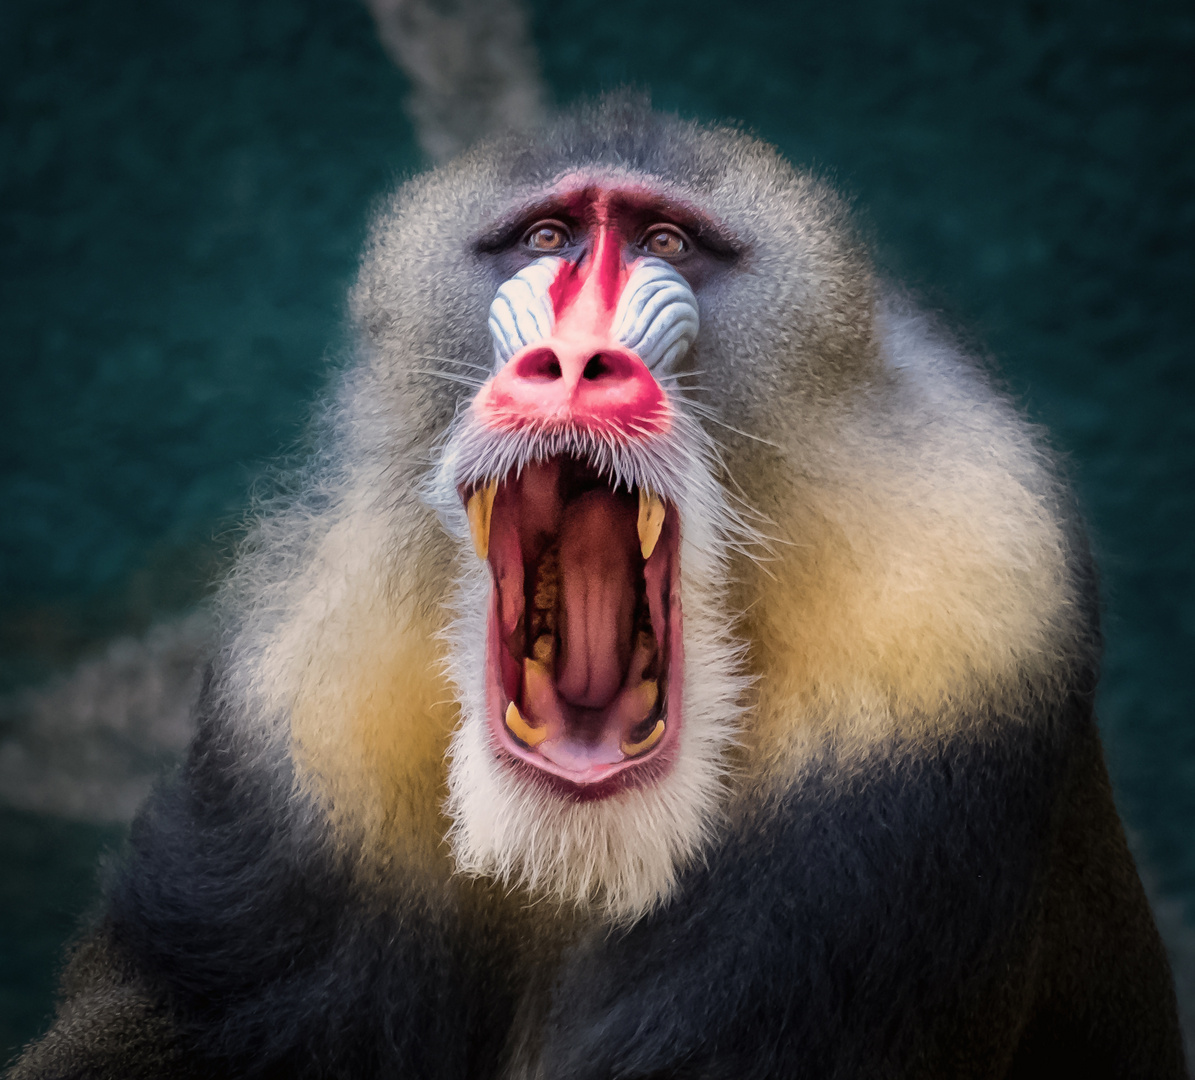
184	188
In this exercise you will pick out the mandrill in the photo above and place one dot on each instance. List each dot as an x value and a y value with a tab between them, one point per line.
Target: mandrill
677	662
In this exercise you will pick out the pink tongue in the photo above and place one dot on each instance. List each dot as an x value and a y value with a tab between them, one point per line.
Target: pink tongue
597	556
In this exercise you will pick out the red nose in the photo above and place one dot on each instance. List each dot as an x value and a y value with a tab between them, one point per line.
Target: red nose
583	383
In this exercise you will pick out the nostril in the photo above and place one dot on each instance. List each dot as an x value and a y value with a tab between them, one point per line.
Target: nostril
596	368
539	364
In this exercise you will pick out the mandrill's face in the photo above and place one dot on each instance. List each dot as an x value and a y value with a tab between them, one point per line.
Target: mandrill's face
590	497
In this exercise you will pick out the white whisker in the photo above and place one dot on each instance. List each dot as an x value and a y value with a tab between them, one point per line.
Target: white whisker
448	376
451	360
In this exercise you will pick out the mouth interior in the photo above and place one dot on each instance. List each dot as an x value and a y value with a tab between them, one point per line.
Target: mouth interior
580	630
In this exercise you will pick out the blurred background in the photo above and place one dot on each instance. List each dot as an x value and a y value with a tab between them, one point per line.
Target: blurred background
184	189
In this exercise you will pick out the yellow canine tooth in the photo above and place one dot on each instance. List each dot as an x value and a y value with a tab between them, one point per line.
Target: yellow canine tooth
523	730
641	747
651	520
479	509
643	699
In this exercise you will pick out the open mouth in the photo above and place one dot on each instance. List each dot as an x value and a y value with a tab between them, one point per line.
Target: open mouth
584	625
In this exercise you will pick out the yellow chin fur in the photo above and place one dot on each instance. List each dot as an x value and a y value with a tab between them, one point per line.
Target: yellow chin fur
372	713
899	609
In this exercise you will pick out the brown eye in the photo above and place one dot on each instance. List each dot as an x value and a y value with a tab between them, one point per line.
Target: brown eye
665	241
547	236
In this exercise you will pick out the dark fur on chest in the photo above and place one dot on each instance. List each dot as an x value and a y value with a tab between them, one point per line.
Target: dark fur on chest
860	924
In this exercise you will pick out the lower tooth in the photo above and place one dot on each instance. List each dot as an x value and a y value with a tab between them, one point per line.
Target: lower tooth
521	729
631	749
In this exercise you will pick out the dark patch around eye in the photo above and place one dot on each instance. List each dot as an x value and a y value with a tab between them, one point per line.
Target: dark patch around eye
511	235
